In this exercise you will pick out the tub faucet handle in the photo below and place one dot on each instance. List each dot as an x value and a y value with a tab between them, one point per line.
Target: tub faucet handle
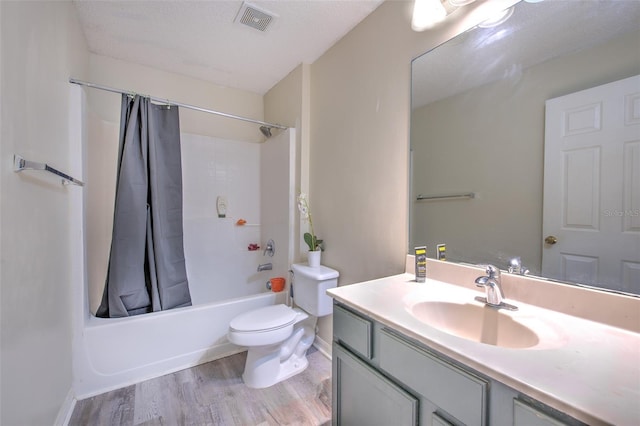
270	249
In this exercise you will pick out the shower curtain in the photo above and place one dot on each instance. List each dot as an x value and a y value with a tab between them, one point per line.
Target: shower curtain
147	270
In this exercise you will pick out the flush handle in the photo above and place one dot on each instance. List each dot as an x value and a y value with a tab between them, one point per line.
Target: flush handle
551	240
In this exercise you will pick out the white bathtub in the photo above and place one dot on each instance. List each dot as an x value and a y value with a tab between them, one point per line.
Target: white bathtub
116	352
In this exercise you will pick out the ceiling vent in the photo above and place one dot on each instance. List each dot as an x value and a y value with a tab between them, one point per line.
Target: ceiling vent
255	17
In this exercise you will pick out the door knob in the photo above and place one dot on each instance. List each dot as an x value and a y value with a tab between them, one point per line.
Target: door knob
550	240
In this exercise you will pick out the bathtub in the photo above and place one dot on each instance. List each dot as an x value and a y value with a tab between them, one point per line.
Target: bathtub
116	352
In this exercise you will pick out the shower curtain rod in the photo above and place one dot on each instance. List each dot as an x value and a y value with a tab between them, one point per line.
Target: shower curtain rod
179	104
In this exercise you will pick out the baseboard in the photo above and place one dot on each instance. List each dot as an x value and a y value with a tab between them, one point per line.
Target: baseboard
66	410
323	347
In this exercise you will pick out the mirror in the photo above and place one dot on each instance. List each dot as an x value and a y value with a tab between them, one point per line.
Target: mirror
478	128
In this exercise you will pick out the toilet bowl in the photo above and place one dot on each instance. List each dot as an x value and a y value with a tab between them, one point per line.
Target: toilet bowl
278	336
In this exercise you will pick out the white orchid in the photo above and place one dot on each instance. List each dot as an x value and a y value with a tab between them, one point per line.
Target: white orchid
309	237
303	205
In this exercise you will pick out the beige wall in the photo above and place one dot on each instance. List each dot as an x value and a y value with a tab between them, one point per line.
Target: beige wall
166	85
42	45
360	109
498	153
288	103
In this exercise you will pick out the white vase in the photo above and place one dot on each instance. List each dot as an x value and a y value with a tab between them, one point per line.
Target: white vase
313	258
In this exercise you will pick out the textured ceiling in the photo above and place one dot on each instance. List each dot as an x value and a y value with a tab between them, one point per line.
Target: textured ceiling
200	38
536	32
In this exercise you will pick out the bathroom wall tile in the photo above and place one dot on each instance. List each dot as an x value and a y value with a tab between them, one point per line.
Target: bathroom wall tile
219	266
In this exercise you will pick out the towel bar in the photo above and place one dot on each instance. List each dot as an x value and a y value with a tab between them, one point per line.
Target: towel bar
421	197
20	164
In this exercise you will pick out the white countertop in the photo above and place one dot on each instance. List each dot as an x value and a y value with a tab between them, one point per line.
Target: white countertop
586	369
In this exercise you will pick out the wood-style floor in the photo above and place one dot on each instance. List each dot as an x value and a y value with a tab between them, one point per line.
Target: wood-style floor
214	394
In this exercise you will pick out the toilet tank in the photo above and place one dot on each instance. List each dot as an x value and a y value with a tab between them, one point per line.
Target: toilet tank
310	286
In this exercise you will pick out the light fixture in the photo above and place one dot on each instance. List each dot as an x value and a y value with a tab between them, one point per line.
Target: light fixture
499	18
426	14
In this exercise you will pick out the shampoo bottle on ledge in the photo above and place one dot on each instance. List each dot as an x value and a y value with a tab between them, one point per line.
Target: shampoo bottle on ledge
421	264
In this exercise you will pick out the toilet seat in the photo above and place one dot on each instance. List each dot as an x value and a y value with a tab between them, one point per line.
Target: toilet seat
264	326
264	319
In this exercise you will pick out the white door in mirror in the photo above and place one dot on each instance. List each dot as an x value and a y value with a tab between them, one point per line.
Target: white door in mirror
591	186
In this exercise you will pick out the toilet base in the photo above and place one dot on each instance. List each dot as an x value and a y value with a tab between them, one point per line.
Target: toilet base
254	378
268	365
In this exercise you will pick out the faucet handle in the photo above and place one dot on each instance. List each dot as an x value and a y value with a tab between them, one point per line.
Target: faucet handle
492	271
482	281
270	249
516	267
515	264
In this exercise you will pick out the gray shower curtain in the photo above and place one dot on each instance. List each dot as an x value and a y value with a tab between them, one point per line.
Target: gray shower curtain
147	270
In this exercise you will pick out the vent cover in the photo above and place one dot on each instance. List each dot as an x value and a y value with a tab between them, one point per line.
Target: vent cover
254	17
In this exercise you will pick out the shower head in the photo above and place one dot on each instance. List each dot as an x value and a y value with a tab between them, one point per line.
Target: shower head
266	131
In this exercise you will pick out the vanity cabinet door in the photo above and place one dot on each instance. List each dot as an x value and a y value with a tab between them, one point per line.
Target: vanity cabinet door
525	415
436	420
362	396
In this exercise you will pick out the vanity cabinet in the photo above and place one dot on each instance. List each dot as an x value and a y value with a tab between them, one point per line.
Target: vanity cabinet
361	394
382	377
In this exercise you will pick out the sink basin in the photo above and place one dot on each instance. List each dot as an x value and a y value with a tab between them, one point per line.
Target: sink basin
476	322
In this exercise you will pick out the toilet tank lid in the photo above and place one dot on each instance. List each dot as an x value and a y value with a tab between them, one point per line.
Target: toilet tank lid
320	273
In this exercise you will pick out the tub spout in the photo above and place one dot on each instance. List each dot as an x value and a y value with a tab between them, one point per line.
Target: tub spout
265	267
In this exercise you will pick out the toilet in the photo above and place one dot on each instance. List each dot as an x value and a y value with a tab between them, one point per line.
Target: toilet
278	336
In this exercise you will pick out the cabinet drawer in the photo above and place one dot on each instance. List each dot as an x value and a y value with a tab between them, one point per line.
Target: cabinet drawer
353	331
459	393
525	415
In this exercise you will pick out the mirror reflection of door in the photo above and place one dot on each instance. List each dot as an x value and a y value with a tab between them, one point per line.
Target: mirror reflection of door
591	213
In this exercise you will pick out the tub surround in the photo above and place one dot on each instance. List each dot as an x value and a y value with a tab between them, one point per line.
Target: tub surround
586	364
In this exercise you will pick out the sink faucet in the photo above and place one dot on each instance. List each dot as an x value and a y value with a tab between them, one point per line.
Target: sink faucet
493	289
265	267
